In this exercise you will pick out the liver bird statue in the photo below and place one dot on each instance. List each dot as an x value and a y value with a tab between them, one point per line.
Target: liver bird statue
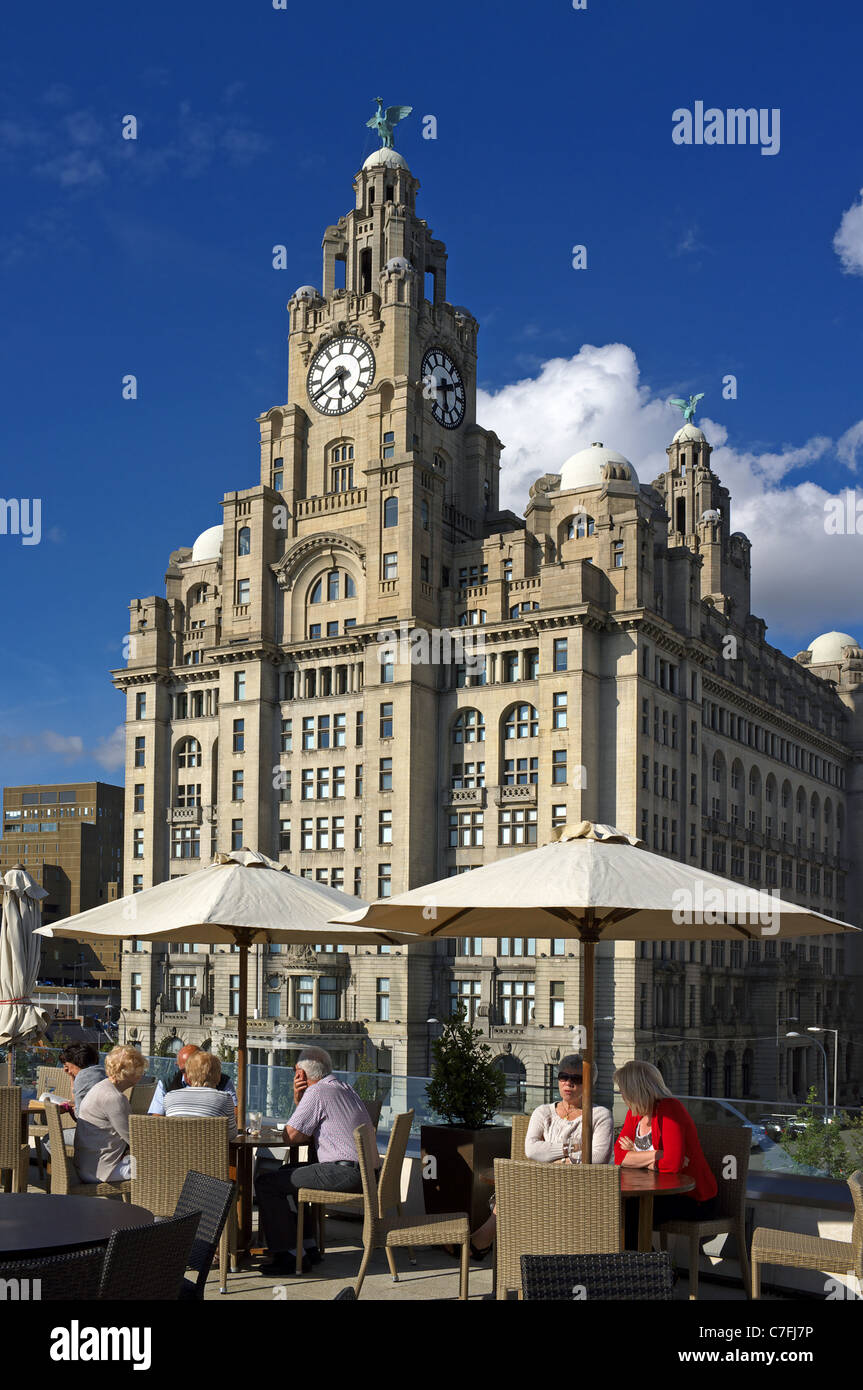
688	407
385	121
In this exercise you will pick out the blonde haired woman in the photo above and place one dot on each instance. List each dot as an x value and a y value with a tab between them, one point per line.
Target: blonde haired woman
102	1131
201	1095
659	1133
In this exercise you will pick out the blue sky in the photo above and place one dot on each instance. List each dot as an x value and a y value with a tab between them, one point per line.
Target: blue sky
154	257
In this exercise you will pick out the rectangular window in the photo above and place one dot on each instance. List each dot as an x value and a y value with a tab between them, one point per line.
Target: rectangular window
385	775
139	796
328	996
387	673
386	720
358	832
391	565
182	989
516	1000
236	834
359	730
284	836
558	716
239	685
385	872
465	828
323	783
322	833
307	839
465	998
385	827
307	784
517	826
338	832
308	733
237	784
340	731
137	887
338	782
560	654
382	1005
424	568
558	766
138	844
323	731
136	990
556	1000
617	555
239	735
358	780
244	591
185	842
140	751
287	736
558	816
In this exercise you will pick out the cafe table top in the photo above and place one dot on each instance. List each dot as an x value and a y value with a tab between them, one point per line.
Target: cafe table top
645	1182
32	1223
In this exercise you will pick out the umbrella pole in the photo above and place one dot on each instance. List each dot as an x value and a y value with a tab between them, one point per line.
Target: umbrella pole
242	937
588	948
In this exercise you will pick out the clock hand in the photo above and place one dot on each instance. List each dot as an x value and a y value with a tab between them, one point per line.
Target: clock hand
339	376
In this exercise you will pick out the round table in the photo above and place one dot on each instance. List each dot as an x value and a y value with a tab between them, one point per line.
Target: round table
645	1184
242	1153
35	1225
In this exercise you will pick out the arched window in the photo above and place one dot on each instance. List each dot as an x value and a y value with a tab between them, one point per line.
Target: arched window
350	587
391	511
317	592
469	727
244	541
519	608
580	526
189	753
521	721
198	594
332	586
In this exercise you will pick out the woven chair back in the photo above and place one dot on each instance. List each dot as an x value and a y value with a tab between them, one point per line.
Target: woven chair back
390	1181
165	1149
520	1125
53	1079
726	1149
10	1127
553	1209
855	1183
64	1174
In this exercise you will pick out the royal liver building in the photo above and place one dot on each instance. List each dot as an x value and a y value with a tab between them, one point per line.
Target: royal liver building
622	679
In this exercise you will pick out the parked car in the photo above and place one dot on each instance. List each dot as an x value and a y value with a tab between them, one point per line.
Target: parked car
782	1126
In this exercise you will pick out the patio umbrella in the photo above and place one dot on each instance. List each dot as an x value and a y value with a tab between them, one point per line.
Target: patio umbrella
20	951
593	883
240	898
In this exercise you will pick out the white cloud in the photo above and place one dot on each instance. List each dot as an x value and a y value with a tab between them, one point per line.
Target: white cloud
110	752
801	576
848	241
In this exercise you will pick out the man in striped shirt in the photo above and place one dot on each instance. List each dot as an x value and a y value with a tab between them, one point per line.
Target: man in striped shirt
327	1113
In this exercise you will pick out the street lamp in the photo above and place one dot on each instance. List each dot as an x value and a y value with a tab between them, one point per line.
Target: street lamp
429	1022
824	1053
835	1032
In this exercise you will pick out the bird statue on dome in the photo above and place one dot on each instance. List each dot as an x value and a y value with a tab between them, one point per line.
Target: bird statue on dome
688	407
385	121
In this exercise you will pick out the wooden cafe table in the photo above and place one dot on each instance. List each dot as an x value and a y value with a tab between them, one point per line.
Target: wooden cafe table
242	1154
645	1184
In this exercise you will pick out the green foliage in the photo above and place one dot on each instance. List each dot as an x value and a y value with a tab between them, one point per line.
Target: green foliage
835	1149
366	1068
466	1087
226	1053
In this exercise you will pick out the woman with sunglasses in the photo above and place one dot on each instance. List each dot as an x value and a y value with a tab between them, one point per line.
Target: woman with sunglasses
554	1134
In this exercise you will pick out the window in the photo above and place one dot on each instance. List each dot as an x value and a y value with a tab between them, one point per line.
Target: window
140	751
182	989
340	731
236	834
287	736
522	721
424	514
328	997
358	832
520	772
306	834
138	844
278	474
469	727
385	827
284	837
389	442
323	783
517	826
617	555
185	842
517	946
307	784
305	988
323	731
308	733
558	766
386	720
558	714
558	816
322	833
140	706
244	541
391	565
234	996
314	632
385	873
387	673
358	780
560	654
317	592
391	512
237	784
555	1005
136	990
239	735
382	1002
338	782
465	998
244	591
139	796
465	828
385	775
188	794
424	568
137	887
332	586
467	775
516	1001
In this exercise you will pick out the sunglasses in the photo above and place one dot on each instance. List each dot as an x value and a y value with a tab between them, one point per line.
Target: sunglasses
574	1077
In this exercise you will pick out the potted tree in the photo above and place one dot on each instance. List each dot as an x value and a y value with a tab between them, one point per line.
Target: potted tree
466	1089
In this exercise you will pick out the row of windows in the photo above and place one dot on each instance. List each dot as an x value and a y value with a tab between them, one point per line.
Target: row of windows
516	1001
783	750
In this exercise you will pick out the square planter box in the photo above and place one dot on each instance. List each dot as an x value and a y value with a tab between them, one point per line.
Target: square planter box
463	1167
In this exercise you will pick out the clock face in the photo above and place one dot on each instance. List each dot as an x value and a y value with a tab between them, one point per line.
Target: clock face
443	386
341	373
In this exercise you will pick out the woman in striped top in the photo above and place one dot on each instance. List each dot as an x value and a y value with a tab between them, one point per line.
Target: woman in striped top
200	1097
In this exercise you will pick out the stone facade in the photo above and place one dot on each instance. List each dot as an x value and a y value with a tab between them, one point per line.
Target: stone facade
623	680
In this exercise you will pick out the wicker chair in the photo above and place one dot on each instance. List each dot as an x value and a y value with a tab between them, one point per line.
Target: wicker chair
627	1276
520	1125
552	1209
390	1183
49	1079
212	1199
14	1152
165	1151
719	1143
65	1181
75	1275
148	1262
797	1251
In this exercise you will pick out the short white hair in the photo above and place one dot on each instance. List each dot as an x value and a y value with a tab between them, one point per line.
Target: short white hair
315	1062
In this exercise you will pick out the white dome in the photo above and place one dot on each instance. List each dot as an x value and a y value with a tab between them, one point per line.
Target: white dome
398	263
208	546
689	433
828	647
387	159
595	466
305	292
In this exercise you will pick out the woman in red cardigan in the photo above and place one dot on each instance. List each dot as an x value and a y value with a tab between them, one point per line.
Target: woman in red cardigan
659	1133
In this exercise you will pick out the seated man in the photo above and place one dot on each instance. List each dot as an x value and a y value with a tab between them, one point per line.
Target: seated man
327	1113
157	1104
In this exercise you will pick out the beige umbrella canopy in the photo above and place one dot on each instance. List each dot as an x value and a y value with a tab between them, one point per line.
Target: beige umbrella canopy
239	899
20	951
591	884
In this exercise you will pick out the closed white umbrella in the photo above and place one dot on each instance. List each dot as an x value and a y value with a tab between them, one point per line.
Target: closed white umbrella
593	883
240	898
20	951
